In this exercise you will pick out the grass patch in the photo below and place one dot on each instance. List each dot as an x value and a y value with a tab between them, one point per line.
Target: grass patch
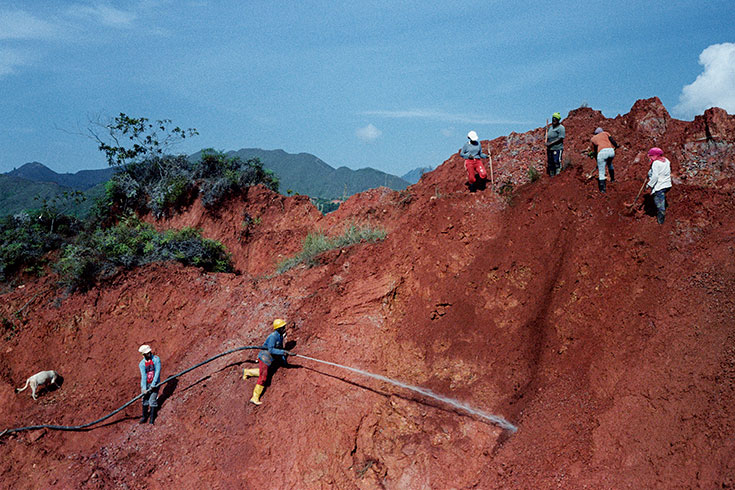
507	191
533	174
317	243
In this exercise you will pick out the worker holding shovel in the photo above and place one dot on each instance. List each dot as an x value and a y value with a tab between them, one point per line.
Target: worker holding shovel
269	359
659	181
473	155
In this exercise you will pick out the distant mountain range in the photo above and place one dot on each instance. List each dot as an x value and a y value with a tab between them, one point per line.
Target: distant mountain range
82	180
17	194
304	173
414	175
300	173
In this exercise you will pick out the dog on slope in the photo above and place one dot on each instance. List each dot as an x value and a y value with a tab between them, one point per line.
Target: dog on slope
44	378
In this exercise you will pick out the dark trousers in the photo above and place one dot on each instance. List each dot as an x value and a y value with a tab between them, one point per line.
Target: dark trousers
659	199
553	162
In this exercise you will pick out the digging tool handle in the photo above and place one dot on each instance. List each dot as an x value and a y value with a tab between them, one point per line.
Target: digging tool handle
490	162
638	195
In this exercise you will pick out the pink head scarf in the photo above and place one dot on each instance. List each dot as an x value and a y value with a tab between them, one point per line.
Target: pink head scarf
656	154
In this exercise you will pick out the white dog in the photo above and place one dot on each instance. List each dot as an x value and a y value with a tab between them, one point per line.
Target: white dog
44	378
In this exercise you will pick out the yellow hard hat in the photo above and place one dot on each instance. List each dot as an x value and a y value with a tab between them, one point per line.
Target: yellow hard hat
278	323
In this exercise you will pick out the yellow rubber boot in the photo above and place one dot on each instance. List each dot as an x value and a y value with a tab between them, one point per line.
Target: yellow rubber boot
256	394
250	373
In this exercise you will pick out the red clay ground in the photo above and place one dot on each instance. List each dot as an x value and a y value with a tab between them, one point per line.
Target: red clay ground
606	338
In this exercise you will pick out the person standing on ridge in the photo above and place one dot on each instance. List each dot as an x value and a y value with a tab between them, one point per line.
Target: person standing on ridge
269	359
604	147
554	145
473	155
659	181
150	375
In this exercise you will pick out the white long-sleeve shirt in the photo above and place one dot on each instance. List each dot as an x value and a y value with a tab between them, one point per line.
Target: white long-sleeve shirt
659	177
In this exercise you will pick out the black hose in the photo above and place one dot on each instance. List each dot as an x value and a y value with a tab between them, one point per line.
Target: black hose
84	426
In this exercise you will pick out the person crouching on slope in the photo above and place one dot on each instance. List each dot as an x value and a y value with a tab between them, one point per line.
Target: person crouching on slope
473	155
150	375
269	359
659	181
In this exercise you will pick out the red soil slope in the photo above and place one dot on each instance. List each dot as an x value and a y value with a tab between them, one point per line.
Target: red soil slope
606	338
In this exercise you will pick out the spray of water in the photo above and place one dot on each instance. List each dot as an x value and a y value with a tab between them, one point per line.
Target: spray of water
501	422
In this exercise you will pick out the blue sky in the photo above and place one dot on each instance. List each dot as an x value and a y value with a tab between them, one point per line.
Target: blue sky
392	85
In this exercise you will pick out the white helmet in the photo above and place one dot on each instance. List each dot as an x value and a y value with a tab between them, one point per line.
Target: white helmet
144	349
472	135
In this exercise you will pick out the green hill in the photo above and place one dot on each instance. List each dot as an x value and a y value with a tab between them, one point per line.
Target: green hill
18	195
82	180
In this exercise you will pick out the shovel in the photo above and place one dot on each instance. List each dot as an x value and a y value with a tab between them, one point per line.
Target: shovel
636	196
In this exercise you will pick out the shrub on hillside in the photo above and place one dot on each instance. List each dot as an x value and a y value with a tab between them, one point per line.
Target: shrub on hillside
222	177
164	184
132	243
26	238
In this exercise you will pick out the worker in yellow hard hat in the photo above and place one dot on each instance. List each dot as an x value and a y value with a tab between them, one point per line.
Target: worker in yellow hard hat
269	359
554	145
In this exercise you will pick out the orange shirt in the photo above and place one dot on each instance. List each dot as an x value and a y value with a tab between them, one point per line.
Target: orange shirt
601	140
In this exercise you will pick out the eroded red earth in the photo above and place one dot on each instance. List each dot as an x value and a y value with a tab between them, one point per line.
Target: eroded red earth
607	339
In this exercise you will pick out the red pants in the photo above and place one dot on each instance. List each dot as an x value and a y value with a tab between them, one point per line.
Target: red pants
475	167
263	374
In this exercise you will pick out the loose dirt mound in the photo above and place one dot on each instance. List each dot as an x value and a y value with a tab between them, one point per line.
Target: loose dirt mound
606	338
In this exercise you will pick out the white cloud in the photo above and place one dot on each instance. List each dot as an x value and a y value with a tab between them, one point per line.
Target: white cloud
715	86
448	132
18	24
368	133
439	116
105	14
10	59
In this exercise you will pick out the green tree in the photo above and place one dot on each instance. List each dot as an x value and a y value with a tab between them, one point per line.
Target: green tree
52	208
127	139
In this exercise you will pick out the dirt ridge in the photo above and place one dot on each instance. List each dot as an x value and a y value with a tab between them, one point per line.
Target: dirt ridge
606	338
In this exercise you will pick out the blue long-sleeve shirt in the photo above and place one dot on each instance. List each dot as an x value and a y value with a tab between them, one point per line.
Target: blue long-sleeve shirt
273	349
156	375
472	151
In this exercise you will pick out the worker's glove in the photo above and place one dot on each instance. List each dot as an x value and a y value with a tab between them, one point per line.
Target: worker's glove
289	353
